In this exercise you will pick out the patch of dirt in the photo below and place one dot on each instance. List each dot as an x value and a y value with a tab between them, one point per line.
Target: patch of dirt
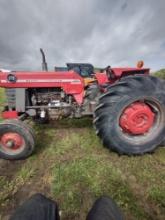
34	185
9	168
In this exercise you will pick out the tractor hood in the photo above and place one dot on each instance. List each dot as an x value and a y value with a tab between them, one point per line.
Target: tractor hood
69	81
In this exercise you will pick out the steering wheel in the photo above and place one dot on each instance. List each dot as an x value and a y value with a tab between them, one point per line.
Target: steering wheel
110	74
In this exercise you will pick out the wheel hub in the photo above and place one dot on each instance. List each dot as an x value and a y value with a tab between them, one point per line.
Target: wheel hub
137	118
11	141
10	144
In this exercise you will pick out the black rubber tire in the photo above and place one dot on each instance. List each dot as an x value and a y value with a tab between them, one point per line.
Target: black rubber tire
92	92
25	132
115	100
25	125
92	96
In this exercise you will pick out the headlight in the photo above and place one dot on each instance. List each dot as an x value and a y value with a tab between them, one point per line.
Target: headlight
12	78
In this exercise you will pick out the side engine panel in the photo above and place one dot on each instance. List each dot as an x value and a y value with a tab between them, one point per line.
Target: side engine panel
53	103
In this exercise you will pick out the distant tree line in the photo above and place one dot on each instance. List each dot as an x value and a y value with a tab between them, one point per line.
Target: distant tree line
160	73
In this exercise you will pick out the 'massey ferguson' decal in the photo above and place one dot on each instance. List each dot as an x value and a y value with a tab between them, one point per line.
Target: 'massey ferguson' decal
72	81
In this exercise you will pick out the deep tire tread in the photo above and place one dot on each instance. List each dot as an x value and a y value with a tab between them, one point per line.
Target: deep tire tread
128	88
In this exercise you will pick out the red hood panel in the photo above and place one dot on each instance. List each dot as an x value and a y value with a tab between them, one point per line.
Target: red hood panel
69	81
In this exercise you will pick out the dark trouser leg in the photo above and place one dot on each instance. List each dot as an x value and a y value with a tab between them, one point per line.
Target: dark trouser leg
38	207
105	209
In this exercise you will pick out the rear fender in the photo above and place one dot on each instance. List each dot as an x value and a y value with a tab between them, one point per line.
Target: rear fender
135	72
102	78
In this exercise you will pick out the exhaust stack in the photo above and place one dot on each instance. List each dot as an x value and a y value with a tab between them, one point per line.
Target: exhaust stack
44	63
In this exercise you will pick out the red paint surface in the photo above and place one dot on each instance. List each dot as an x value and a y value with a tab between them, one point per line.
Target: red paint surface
71	82
137	118
13	138
10	114
119	72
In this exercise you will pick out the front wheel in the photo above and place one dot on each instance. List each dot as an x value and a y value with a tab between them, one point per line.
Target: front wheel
130	117
16	140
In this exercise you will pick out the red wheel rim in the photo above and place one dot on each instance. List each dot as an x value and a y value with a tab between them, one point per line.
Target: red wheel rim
137	118
12	142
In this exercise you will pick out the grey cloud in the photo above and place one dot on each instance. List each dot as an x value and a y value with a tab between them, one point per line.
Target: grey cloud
101	32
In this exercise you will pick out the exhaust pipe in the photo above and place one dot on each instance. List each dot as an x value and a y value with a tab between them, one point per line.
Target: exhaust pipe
44	63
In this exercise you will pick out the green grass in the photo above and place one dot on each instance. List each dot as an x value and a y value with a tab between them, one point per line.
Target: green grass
79	182
160	73
2	97
71	166
2	100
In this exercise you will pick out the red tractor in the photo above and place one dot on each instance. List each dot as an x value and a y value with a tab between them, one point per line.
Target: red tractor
127	104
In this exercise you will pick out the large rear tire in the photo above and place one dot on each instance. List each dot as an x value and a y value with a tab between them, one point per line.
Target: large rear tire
130	116
16	140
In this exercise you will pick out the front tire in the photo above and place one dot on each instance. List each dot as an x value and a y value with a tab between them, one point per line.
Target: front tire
16	140
130	117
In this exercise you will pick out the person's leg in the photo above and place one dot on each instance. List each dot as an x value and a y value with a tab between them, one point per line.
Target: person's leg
105	209
38	207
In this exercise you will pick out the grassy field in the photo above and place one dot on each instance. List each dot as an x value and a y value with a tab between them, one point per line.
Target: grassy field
71	166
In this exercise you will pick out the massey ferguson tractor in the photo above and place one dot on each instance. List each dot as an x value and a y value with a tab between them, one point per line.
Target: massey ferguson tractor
127	104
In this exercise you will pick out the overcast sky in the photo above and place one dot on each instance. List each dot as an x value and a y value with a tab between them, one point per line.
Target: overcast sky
102	32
